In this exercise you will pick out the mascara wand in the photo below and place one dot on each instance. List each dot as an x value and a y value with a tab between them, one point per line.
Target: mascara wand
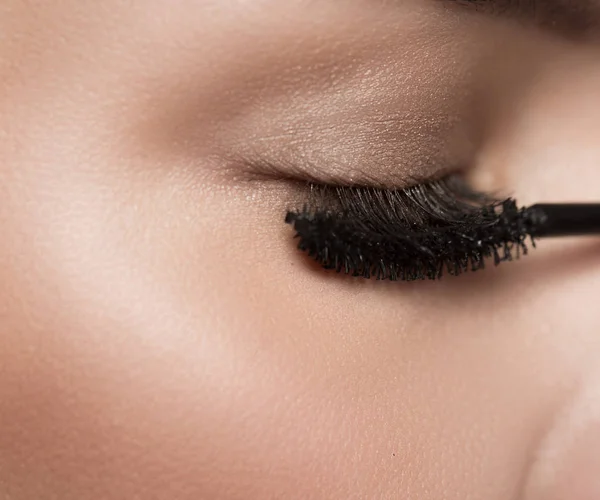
386	247
572	219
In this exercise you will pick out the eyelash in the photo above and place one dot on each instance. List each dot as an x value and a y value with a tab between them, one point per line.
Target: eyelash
410	234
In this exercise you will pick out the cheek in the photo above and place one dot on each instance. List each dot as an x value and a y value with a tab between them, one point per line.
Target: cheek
568	460
178	345
148	350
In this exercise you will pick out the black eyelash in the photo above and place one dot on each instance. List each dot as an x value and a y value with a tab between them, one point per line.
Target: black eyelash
411	234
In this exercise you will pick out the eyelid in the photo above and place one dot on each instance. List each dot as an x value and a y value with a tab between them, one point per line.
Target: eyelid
261	169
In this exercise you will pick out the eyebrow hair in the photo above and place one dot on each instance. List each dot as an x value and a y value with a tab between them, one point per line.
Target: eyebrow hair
574	18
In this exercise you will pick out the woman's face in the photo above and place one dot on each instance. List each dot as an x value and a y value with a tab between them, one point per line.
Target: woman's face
161	336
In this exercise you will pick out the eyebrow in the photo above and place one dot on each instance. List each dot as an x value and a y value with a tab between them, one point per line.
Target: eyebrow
568	17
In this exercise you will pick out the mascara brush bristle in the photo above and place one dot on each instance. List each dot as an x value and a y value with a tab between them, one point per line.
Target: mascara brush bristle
399	251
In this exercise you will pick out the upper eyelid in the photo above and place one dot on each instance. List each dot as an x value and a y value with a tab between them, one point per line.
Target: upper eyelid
372	143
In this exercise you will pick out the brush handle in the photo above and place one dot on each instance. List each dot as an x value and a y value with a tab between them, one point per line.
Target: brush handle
568	219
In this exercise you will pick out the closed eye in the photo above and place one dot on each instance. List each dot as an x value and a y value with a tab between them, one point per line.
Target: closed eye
416	233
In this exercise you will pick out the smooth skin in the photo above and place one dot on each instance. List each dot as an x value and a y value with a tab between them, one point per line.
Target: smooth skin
161	337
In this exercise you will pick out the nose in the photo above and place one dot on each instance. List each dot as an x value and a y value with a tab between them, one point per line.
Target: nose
566	465
547	127
551	149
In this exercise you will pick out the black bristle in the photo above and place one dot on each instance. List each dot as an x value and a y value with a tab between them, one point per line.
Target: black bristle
413	234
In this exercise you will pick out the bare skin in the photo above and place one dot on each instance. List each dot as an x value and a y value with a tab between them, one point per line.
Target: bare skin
160	336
